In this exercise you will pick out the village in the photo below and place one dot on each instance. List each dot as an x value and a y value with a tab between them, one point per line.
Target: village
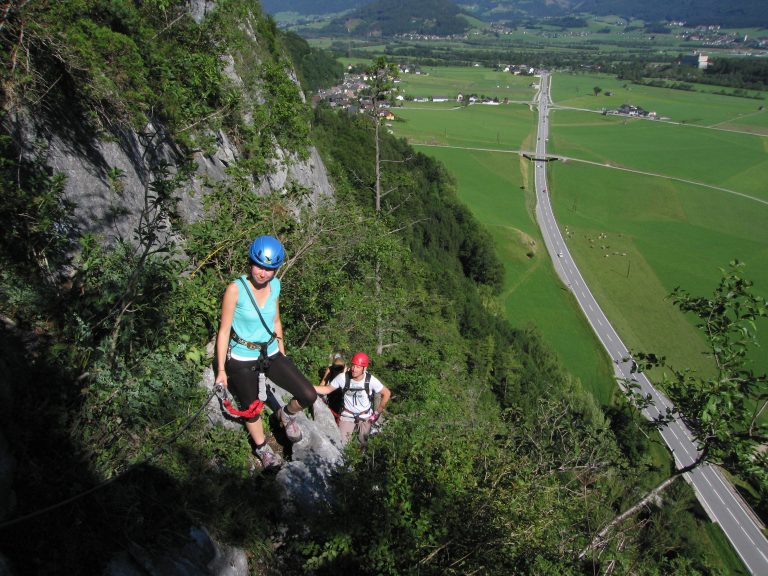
347	95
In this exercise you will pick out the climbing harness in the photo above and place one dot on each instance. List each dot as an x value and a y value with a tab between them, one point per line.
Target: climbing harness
251	412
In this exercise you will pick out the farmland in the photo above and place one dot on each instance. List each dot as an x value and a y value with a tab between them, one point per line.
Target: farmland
696	200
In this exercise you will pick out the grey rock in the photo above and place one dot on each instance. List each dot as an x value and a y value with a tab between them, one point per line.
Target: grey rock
304	480
199	9
199	555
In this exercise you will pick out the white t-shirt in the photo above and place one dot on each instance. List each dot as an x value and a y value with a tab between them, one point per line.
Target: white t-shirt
356	401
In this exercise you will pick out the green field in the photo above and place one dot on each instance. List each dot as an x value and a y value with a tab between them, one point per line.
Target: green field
490	184
731	160
503	127
440	80
702	107
635	236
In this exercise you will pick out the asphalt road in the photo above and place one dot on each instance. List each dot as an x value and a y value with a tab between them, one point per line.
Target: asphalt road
716	494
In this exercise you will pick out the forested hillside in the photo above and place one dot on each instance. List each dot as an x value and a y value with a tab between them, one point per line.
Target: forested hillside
746	13
390	17
736	13
493	460
311	6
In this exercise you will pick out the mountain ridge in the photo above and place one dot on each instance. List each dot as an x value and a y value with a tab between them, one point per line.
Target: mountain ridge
737	13
391	17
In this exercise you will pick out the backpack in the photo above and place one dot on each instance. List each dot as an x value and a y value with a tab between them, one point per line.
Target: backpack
348	383
335	399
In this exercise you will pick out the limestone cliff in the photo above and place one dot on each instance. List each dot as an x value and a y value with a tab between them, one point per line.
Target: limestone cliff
109	171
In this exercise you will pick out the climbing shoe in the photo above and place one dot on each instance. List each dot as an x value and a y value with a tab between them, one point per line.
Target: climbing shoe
288	422
269	460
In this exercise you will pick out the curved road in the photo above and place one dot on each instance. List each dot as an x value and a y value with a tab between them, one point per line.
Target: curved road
716	494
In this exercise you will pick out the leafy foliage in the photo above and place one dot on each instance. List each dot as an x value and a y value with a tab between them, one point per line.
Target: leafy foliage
493	459
723	412
38	222
316	68
127	63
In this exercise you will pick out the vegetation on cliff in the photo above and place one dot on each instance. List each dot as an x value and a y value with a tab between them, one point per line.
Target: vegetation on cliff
493	460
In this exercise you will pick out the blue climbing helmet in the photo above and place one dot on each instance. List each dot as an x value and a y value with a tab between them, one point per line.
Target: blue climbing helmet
267	252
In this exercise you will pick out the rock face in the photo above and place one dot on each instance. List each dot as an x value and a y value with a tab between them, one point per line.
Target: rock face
303	479
108	175
200	555
107	179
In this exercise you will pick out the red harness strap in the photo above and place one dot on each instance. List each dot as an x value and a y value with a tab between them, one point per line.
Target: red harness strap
251	412
336	416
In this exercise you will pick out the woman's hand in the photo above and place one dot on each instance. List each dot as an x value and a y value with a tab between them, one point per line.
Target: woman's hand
221	378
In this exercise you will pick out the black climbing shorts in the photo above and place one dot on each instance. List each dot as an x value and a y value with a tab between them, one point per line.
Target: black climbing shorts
243	378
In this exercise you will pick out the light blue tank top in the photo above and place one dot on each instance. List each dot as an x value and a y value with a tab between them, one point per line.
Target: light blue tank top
246	322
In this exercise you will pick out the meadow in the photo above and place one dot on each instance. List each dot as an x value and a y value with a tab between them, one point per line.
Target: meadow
727	159
450	81
495	185
635	236
502	127
702	107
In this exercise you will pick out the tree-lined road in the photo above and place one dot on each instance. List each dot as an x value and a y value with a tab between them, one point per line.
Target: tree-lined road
716	494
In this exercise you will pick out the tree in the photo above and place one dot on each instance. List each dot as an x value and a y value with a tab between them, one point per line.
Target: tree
381	76
597	90
723	411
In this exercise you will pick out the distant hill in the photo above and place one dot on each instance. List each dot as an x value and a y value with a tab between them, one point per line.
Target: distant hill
740	13
733	13
390	17
311	7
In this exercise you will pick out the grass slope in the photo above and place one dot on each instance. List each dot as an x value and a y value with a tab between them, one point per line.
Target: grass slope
490	184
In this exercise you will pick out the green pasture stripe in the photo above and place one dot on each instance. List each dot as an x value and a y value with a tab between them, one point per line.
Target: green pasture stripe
499	127
451	81
490	185
635	238
661	176
730	160
701	107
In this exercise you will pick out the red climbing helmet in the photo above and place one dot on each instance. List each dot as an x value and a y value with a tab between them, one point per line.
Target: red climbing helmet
360	359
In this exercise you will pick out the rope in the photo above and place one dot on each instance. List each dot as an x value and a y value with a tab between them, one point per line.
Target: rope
130	468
